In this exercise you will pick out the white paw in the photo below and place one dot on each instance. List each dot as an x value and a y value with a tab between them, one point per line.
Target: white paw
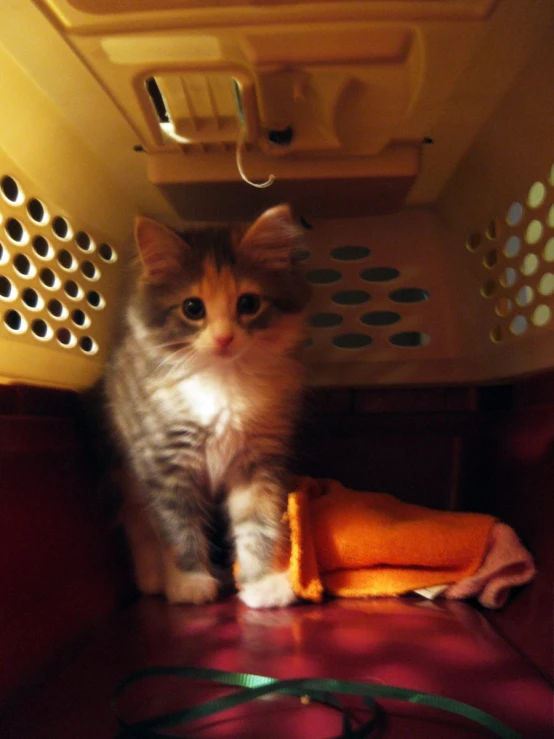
272	591
191	587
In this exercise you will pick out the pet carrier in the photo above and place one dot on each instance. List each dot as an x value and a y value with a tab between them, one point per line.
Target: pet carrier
415	144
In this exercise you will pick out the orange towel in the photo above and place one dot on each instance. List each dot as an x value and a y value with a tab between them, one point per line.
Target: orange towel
352	544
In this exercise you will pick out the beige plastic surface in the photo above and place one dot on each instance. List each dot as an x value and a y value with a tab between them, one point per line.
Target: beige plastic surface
361	84
58	288
354	80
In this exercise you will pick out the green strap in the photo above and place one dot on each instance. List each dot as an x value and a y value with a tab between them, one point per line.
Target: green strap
316	689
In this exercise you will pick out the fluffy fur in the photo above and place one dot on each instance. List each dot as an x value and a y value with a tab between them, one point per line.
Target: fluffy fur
203	389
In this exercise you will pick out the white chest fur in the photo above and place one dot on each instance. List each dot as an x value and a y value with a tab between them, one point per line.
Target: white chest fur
226	405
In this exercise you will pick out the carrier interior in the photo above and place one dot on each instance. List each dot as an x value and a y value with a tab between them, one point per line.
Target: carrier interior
414	141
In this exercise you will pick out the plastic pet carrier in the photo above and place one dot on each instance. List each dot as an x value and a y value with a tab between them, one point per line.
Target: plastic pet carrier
415	144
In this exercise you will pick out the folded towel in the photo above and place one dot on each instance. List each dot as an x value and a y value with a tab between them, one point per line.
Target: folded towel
352	544
507	564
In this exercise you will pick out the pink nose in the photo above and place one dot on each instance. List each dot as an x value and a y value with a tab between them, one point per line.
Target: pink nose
224	341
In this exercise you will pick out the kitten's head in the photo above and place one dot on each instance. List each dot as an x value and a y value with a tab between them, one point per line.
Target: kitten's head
220	295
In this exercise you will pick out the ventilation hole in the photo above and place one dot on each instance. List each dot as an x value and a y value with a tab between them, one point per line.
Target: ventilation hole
493	229
489	288
503	307
508	277
65	337
23	266
380	318
11	190
380	274
519	325
325	320
512	247
66	260
88	345
32	299
73	290
533	232
80	318
409	339
42	248
490	259
301	255
546	284
352	341
409	295
530	264
351	297
525	296
14	321
4	254
550	217
548	252
84	241
541	315
95	300
37	212
323	276
90	271
537	194
108	254
496	335
350	253
41	329
49	278
61	228
157	99
7	289
474	241
515	214
57	309
17	231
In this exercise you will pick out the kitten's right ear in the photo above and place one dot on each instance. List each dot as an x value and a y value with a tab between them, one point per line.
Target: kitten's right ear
160	249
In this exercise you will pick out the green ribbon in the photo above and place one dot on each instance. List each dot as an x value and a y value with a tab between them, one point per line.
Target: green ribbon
319	690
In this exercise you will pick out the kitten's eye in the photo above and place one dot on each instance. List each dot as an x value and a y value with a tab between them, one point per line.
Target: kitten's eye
194	309
248	304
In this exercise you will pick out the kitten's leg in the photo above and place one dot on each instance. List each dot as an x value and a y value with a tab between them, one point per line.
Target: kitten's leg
181	512
256	510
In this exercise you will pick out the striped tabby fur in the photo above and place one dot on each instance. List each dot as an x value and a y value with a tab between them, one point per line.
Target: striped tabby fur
203	388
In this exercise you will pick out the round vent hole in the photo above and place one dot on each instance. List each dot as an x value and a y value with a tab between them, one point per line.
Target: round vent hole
409	339
409	295
352	341
350	253
379	274
351	297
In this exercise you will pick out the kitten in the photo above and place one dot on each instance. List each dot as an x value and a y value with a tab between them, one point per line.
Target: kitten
203	388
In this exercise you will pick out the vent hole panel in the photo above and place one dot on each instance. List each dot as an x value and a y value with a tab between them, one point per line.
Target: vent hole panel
46	260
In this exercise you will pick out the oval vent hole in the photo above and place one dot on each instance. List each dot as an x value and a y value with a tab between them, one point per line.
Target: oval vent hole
409	295
352	341
409	339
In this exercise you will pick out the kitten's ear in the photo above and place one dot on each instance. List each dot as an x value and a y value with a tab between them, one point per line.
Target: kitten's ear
160	249
270	239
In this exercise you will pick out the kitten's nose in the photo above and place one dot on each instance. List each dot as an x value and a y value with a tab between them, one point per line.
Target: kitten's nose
224	341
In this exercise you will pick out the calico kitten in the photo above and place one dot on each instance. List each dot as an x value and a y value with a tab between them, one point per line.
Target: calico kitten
203	388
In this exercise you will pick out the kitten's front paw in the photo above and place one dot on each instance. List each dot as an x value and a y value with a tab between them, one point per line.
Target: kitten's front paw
272	591
191	587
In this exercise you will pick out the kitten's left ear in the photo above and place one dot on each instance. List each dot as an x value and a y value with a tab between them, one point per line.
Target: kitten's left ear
269	240
161	250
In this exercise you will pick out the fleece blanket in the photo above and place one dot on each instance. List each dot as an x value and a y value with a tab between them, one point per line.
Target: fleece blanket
348	543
